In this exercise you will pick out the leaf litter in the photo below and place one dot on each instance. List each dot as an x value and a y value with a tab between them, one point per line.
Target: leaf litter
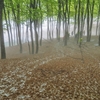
60	75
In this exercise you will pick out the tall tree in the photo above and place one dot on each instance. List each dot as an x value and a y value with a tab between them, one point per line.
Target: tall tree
3	52
88	19
31	31
98	16
75	19
91	19
18	26
59	20
7	26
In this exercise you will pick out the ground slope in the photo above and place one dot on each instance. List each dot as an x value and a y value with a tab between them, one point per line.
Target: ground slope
57	73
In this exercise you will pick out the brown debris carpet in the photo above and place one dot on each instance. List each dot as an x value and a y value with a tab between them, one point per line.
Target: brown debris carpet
57	72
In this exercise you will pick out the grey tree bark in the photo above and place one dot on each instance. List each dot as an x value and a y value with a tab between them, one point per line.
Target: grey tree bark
3	52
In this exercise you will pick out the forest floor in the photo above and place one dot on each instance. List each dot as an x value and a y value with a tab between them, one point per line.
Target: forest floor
57	72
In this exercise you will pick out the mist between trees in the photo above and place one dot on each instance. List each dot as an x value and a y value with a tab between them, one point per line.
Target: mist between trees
32	21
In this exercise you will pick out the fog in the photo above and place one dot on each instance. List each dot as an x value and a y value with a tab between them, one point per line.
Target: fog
44	36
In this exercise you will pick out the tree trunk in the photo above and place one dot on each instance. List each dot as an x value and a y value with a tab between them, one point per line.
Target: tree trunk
66	35
10	28
32	42
59	20
88	30
41	24
27	39
3	52
7	26
98	20
91	22
99	35
18	26
36	36
75	19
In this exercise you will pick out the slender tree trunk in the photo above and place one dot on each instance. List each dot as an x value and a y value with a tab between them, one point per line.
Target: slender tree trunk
52	26
48	29
91	22
63	18
99	36
14	32
10	28
75	19
41	24
41	34
66	35
18	26
15	18
66	31
3	52
78	35
98	20
32	42
88	15
7	26
59	20
69	4
99	24
27	37
17	39
36	36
